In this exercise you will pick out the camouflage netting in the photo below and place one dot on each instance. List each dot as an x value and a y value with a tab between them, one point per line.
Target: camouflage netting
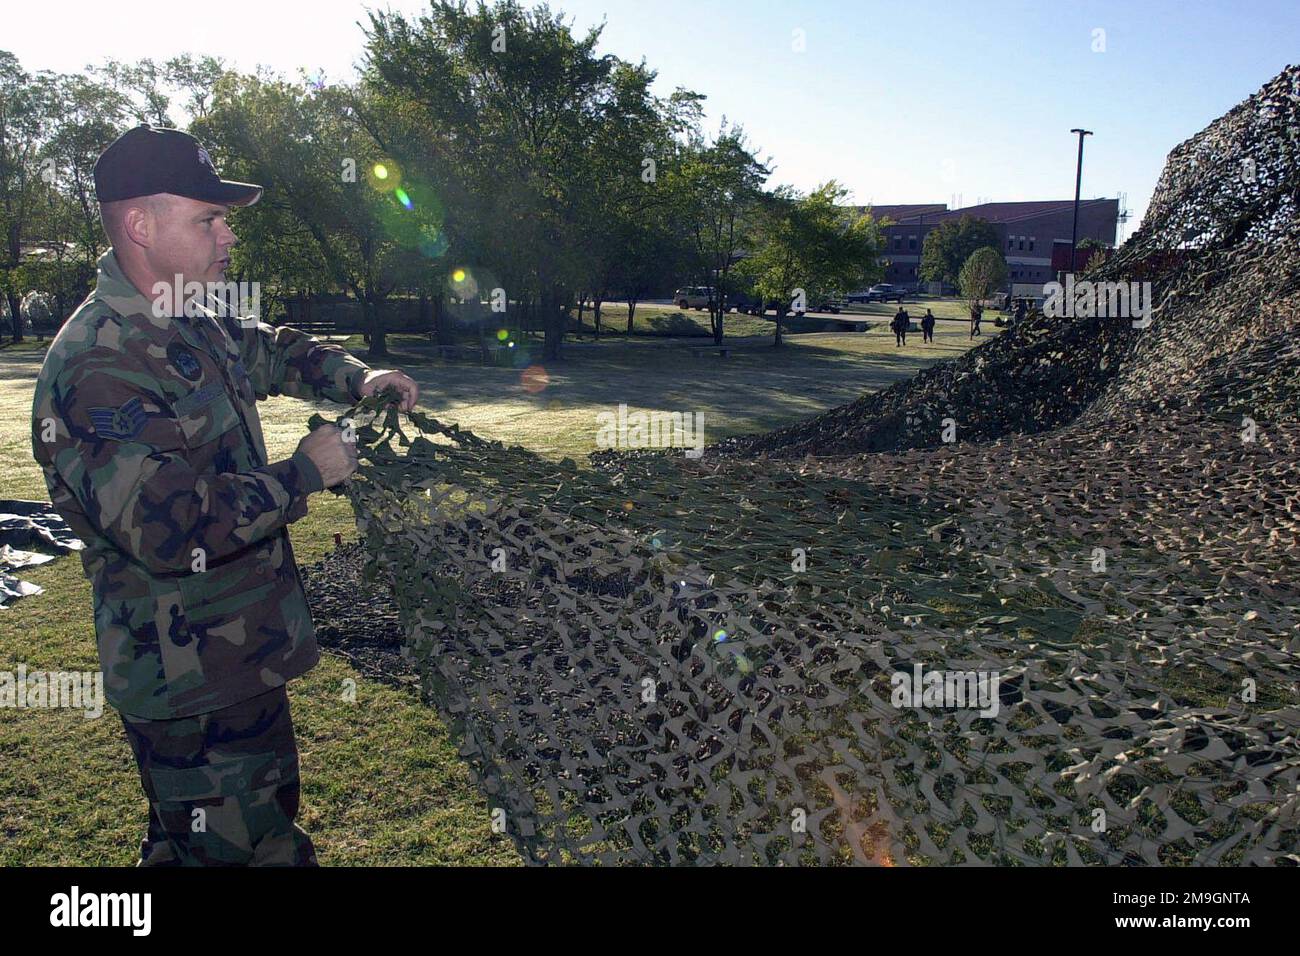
647	673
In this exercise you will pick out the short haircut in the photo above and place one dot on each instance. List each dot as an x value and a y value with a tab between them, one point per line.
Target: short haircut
113	215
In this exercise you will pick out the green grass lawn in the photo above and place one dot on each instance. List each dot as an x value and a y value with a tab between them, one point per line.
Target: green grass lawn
651	319
381	782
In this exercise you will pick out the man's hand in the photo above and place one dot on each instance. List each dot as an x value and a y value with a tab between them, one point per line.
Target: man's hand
376	380
333	457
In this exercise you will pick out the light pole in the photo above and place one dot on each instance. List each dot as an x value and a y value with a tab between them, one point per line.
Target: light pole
1078	181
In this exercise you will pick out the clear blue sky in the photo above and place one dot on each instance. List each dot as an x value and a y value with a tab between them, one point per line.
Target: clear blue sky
902	101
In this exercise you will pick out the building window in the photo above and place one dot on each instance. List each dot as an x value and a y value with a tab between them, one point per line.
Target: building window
1031	243
898	243
1011	243
1022	243
911	242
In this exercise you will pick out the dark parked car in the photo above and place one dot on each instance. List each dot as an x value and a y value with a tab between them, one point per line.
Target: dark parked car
884	292
826	303
747	304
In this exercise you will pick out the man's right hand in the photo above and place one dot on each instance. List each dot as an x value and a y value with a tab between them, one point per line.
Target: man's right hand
333	457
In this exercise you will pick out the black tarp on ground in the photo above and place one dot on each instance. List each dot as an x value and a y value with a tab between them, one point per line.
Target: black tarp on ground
31	533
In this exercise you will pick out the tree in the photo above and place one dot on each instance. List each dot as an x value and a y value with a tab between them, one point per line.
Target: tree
25	114
88	116
196	77
325	211
718	189
983	272
808	245
625	211
948	246
1092	252
143	84
504	103
651	255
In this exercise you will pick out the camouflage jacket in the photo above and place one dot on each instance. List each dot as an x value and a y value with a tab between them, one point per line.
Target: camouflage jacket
151	446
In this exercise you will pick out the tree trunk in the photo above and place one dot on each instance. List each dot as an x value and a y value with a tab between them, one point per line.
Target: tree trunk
780	314
582	304
595	311
15	313
373	312
631	312
552	325
440	317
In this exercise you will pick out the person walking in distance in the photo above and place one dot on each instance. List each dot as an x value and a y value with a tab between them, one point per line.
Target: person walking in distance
899	325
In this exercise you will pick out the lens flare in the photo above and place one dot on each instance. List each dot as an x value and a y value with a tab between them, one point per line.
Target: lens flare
534	379
464	284
719	635
384	176
502	335
433	242
403	198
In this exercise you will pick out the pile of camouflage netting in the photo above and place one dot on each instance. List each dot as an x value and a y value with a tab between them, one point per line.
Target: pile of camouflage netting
672	661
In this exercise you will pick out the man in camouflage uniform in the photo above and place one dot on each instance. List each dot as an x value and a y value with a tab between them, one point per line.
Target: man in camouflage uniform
145	426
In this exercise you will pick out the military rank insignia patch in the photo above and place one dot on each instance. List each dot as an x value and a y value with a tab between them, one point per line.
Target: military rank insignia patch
120	424
184	361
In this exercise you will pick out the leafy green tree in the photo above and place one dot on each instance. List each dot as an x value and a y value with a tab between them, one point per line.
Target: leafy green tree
718	189
26	110
1092	252
626	203
504	103
87	117
197	77
143	84
983	272
950	244
322	213
808	243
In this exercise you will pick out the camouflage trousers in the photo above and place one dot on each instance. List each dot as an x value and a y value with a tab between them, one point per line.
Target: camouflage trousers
223	787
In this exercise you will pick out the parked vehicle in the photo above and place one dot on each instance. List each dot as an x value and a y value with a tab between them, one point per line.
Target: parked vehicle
694	297
884	292
826	304
751	306
745	304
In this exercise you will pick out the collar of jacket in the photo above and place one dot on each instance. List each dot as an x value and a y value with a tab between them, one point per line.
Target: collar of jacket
115	290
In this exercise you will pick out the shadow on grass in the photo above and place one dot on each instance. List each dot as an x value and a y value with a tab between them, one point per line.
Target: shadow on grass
753	388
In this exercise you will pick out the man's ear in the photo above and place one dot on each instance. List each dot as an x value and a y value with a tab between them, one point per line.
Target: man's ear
142	219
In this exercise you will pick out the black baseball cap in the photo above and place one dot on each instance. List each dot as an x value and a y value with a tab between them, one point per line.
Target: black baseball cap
158	159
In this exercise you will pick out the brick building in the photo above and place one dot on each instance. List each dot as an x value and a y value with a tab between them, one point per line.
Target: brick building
1028	233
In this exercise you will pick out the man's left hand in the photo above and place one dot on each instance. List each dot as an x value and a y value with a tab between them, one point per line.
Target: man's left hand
376	380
